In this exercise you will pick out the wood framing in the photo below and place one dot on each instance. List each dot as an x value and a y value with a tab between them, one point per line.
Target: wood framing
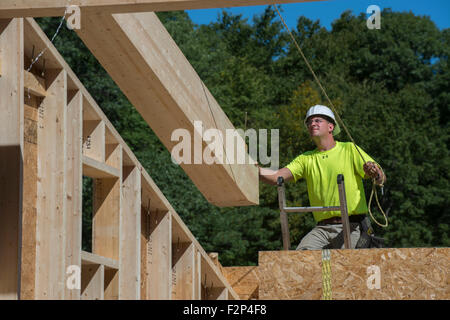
11	155
130	245
169	95
40	8
51	188
183	270
58	133
74	187
159	256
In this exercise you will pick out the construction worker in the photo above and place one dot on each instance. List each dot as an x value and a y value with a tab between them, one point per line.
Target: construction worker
320	168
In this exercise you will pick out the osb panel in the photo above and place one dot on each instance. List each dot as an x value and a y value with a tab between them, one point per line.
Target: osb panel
30	150
416	273
407	273
244	280
288	275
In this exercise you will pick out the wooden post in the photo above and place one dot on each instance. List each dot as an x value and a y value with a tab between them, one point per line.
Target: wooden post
158	251
11	155
197	276
51	189
105	226
130	227
74	186
183	271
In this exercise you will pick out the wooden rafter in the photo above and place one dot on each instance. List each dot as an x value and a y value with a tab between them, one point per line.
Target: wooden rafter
42	8
141	57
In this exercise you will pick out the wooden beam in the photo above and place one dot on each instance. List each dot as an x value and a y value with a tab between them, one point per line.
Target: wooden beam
88	258
11	153
130	228
106	228
74	188
157	250
40	8
107	198
169	94
51	189
183	271
95	169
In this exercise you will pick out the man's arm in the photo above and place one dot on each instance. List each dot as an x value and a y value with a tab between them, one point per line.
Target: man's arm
270	176
373	171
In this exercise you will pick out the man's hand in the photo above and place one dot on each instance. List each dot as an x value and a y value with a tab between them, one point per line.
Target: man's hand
270	176
374	172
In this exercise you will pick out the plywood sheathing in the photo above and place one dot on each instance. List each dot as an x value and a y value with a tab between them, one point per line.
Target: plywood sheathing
406	273
29	213
244	280
150	69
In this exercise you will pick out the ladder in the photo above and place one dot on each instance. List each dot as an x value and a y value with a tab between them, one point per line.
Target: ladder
285	210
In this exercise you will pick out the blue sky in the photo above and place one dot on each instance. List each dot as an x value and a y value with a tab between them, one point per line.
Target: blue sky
328	11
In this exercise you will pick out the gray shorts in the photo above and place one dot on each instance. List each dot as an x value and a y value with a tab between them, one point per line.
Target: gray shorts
329	237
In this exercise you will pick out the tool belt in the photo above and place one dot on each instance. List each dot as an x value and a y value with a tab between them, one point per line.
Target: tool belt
367	238
357	218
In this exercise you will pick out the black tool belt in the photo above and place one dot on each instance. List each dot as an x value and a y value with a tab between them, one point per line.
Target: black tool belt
367	238
357	218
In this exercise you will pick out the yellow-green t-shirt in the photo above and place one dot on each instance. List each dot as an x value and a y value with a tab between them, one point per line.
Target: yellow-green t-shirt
320	170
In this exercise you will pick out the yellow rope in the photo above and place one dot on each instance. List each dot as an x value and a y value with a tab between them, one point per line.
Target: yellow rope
374	191
338	118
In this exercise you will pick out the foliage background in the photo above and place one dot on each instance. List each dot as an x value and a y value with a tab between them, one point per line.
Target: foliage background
391	87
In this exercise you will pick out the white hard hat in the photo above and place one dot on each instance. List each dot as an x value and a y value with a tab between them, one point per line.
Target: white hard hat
323	110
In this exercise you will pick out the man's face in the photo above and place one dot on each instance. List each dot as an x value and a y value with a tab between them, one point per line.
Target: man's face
319	126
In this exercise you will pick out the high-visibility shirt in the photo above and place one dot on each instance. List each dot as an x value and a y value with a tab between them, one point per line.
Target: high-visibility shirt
320	170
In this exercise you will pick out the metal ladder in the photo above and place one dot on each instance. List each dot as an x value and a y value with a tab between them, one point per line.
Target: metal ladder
284	210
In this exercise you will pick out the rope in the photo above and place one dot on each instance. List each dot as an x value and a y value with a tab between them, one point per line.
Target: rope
215	124
338	118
